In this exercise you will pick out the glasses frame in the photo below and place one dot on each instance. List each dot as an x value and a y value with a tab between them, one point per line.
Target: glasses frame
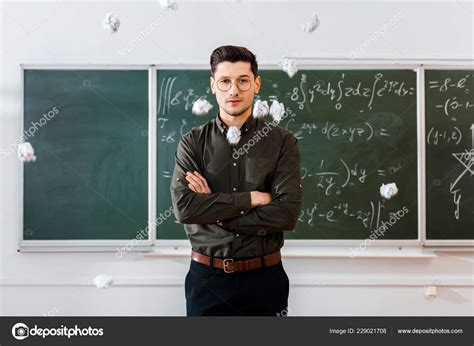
217	86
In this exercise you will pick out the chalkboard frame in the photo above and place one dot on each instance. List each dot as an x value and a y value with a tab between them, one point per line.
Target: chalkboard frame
109	245
425	240
171	247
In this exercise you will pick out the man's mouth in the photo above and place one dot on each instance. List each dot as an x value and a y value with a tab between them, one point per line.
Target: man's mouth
233	102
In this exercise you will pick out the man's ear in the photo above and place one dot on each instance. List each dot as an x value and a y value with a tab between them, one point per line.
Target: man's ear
213	84
258	83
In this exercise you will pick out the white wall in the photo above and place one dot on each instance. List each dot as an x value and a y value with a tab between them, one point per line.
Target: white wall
71	33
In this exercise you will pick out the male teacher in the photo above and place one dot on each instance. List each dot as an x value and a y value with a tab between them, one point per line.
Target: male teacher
235	204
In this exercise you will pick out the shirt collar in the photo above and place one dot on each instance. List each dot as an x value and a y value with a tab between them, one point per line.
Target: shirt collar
246	126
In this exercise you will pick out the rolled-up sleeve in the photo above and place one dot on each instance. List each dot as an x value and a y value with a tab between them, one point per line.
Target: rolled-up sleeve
201	208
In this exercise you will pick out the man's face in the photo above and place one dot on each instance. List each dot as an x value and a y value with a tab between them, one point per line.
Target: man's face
237	77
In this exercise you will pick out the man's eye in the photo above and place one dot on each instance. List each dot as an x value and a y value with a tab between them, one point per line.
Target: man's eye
244	81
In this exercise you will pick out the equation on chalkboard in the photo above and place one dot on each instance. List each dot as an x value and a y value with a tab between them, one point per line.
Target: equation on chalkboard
449	154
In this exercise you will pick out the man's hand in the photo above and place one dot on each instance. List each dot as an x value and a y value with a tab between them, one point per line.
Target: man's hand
197	182
260	198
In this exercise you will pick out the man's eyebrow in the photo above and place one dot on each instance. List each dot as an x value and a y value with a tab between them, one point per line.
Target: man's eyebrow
243	75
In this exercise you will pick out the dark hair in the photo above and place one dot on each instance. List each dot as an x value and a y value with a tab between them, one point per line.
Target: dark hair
233	54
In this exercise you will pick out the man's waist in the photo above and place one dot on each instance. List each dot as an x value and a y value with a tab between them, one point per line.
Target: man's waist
230	265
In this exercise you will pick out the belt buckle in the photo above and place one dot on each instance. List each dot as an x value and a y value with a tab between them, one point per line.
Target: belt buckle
227	262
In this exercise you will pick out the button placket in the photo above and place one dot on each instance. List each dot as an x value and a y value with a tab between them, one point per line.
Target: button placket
234	177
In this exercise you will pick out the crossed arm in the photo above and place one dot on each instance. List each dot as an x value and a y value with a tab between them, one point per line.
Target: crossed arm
254	212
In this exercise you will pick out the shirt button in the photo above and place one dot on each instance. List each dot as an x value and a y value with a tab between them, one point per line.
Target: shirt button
234	164
242	212
234	189
237	234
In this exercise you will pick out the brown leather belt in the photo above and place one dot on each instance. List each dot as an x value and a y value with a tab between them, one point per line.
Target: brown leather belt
230	266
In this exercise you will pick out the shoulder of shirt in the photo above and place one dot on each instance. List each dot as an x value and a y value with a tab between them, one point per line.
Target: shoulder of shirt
197	131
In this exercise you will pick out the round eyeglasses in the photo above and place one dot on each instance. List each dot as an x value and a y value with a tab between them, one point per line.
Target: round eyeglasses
243	84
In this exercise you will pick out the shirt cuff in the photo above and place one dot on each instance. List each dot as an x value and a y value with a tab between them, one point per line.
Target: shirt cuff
242	202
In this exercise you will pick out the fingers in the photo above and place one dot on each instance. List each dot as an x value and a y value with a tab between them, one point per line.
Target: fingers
192	187
266	198
197	182
203	180
194	182
258	198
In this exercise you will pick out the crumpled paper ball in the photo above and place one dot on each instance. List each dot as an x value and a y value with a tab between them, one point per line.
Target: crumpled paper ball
103	281
111	23
312	24
389	190
277	110
233	135
168	4
26	153
201	107
288	65
260	109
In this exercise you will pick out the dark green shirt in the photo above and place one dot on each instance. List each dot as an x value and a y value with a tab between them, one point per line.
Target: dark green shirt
266	159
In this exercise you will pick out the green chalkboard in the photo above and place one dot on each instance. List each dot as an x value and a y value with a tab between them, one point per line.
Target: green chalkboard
449	108
176	92
356	131
89	132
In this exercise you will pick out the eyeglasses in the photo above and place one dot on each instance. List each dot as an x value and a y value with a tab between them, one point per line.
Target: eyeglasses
243	84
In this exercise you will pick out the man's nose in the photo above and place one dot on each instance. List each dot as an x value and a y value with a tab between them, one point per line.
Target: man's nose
234	90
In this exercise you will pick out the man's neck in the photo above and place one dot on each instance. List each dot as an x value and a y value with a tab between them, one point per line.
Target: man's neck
238	121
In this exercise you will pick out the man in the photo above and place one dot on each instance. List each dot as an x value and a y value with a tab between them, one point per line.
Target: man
236	203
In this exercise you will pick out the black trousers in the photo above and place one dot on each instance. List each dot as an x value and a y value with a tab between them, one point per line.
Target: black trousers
258	292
